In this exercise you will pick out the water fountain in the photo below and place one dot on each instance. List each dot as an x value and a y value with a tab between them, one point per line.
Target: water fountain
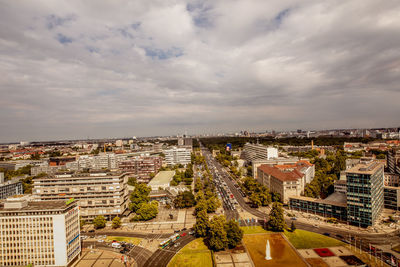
268	252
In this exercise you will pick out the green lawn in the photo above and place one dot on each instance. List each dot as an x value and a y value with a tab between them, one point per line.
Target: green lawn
132	240
253	230
193	254
301	239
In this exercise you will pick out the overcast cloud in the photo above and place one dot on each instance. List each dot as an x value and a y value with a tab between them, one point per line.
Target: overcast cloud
70	69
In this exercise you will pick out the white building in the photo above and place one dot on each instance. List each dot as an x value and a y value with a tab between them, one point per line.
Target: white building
254	152
42	233
176	155
103	161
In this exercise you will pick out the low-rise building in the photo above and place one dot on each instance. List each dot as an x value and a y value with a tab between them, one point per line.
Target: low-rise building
333	206
42	233
161	180
340	186
97	193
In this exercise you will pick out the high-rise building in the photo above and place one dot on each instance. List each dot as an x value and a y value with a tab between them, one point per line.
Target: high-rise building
393	160
254	152
365	193
42	233
177	156
97	193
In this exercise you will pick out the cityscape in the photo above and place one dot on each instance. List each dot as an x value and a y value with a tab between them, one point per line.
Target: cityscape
199	133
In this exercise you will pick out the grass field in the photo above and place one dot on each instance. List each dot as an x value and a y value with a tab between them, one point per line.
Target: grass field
281	251
301	239
253	230
132	240
193	254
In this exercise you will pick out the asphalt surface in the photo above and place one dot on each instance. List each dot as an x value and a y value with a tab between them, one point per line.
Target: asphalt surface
365	239
161	257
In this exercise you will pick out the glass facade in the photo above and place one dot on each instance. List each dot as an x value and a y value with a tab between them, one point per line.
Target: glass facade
318	207
390	198
365	195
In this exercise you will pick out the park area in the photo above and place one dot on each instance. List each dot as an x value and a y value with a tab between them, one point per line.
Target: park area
301	239
281	251
193	254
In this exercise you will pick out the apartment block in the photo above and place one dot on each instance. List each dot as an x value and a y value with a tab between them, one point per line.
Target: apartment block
141	167
176	155
365	193
42	233
97	193
393	161
259	152
10	188
103	161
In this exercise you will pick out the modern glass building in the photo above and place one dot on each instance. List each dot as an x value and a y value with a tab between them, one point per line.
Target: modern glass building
365	193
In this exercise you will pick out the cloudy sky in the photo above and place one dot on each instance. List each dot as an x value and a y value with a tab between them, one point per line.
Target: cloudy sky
117	68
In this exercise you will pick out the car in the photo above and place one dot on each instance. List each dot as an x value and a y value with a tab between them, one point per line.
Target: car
327	234
184	229
176	244
183	234
177	231
100	240
191	233
316	225
339	236
91	231
293	218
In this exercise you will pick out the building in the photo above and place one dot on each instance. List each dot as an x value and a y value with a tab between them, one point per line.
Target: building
17	164
176	155
47	169
102	161
393	161
142	167
391	179
334	206
285	182
340	186
97	193
254	152
365	193
272	162
391	197
10	188
41	233
161	180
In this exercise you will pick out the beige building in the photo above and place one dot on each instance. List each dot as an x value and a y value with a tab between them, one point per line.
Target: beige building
42	233
287	183
97	193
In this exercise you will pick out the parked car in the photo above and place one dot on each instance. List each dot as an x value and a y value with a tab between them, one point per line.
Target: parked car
91	231
100	240
327	234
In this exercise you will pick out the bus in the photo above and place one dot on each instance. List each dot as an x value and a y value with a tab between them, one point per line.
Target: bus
169	240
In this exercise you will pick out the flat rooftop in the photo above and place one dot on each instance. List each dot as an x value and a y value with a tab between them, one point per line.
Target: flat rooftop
163	177
336	199
367	168
47	205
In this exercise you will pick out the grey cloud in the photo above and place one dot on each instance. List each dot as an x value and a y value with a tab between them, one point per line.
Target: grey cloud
72	70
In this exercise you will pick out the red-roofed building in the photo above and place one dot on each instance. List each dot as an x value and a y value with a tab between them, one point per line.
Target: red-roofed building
287	180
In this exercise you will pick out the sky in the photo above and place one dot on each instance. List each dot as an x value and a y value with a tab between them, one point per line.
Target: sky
99	69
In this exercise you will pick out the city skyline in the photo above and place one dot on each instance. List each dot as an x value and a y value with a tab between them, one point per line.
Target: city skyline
72	70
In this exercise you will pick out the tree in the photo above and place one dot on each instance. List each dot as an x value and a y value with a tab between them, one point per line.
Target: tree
139	195
146	211
276	220
255	200
217	237
132	181
292	227
184	200
198	185
99	222
202	224
234	233
212	204
116	222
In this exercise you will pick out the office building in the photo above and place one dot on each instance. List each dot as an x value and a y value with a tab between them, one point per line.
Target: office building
365	193
10	188
272	162
254	152
97	193
334	206
176	155
141	167
41	233
340	186
393	160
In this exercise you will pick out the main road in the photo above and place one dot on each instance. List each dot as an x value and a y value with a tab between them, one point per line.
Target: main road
366	238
